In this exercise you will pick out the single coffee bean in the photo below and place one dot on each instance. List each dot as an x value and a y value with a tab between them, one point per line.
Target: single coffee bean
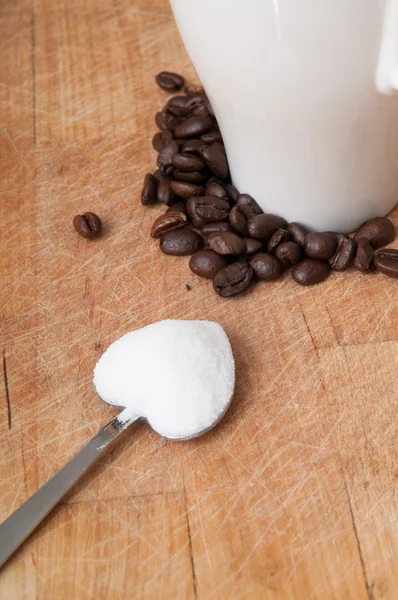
177	207
201	111
266	266
233	279
88	225
168	222
248	205
194	177
298	233
207	263
158	142
386	261
363	260
207	209
215	189
279	237
345	252
262	227
186	190
165	193
165	158
311	271
211	136
239	220
192	146
149	194
252	246
379	231
215	158
320	244
216	228
187	163
166	121
179	106
289	253
181	242
170	82
194	90
193	127
232	192
226	243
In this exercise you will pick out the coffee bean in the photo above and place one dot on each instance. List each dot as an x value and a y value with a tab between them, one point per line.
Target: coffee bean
192	146
207	209
149	194
233	279
311	271
262	227
165	193
298	233
195	177
165	158
170	82
179	106
181	242
88	225
201	111
252	246
194	90
187	163
320	244
207	264
345	252
379	231
192	127
211	136
165	121
238	220
177	207
157	175
158	142
266	266
226	243
289	253
186	190
363	260
232	192
386	261
215	158
279	237
248	205
216	227
168	222
215	189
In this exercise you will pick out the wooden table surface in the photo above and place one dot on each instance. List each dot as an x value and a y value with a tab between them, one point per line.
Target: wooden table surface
294	496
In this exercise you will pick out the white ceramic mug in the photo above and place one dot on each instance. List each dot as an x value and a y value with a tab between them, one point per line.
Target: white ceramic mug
302	90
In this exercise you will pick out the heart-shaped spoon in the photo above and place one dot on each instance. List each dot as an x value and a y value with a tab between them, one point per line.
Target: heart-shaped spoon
179	376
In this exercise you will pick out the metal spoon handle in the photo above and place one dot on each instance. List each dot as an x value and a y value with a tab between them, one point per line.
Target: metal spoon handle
15	530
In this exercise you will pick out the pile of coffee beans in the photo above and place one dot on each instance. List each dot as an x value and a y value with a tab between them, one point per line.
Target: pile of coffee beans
229	238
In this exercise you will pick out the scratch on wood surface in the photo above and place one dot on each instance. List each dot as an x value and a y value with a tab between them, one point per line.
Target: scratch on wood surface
195	589
7	389
309	331
368	586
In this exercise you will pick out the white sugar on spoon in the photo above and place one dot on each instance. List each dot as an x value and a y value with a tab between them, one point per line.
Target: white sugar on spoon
177	375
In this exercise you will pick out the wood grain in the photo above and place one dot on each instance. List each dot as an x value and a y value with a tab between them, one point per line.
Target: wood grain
294	496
